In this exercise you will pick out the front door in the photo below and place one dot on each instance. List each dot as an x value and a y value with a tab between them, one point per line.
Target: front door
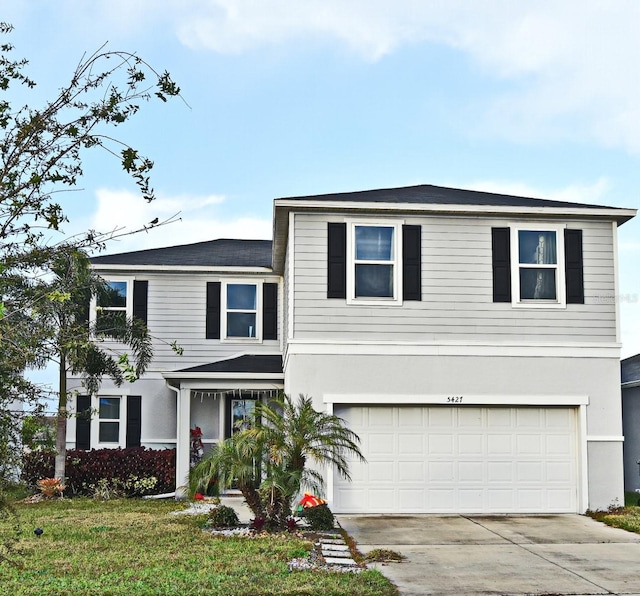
239	414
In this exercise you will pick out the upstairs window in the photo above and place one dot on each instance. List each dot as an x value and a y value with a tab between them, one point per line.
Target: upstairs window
242	310
374	267
113	305
374	261
538	265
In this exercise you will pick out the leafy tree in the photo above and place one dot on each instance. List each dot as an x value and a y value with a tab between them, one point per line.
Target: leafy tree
41	157
283	450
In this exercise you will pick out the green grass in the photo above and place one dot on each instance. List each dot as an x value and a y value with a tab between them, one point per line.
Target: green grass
133	548
626	518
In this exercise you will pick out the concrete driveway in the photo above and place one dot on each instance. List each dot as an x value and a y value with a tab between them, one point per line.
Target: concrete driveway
506	554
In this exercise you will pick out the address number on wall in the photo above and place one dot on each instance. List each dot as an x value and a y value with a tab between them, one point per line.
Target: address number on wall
455	399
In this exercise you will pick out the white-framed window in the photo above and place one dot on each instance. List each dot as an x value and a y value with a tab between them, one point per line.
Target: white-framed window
108	425
241	310
374	272
537	266
111	307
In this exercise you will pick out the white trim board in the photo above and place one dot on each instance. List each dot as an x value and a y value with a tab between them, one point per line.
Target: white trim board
458	400
459	348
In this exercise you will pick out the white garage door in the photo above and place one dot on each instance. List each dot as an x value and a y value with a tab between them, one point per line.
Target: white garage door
440	459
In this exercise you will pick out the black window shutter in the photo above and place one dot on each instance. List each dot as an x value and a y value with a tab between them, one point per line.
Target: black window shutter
140	291
337	260
573	266
411	262
83	422
213	310
134	420
269	311
501	262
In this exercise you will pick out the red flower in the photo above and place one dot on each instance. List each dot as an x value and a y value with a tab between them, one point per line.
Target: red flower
198	497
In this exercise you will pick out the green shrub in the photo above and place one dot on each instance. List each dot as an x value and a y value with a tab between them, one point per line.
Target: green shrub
319	518
223	517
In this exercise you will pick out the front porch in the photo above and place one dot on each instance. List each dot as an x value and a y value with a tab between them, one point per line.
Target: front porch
219	398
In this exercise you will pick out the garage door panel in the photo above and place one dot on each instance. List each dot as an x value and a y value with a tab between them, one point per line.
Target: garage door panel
382	471
456	459
471	444
500	444
441	470
500	471
411	471
470	471
381	417
411	443
412	417
529	471
440	444
469	417
560	445
382	443
529	444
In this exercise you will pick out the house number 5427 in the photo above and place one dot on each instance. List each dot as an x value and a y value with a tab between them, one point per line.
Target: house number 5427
454	399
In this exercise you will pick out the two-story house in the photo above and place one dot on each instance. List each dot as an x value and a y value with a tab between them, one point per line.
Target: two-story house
471	340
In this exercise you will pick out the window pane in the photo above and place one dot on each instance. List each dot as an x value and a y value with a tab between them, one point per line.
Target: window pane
109	432
374	281
537	247
110	407
109	320
241	324
241	414
241	297
537	284
374	243
115	294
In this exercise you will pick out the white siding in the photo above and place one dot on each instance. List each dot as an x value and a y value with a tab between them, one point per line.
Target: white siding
457	301
177	312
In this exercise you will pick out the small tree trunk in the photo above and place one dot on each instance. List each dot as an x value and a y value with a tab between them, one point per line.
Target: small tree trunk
251	496
61	421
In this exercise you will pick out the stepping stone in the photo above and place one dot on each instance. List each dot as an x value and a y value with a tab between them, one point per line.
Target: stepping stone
336	561
331	541
336	553
331	536
334	547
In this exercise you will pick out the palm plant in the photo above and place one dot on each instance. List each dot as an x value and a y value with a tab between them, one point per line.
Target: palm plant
79	348
233	462
284	450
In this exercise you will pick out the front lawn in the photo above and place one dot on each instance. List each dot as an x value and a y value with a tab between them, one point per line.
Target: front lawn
626	518
133	547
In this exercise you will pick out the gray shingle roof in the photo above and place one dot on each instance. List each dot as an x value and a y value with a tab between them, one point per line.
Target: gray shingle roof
630	369
213	253
440	195
248	363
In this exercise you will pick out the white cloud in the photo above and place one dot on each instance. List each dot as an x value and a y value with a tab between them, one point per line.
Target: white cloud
573	63
199	220
592	193
566	69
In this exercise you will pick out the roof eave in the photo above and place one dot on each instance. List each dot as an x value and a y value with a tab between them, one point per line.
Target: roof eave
224	375
181	268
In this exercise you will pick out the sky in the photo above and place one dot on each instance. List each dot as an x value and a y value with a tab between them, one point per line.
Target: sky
299	97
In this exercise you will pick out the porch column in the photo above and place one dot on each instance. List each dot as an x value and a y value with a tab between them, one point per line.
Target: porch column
183	442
